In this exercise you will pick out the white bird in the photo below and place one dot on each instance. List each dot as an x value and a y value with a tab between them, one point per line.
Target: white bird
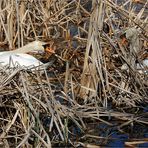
19	58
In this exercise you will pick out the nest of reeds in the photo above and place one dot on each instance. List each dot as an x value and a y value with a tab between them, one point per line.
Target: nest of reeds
93	79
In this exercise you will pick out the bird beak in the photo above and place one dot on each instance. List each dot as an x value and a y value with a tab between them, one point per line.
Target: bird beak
49	48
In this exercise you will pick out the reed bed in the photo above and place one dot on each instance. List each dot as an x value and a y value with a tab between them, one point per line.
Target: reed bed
92	80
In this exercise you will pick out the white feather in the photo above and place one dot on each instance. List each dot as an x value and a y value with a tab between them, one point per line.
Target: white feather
22	60
19	58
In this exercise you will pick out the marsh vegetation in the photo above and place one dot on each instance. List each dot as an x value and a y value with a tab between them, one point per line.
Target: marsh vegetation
96	90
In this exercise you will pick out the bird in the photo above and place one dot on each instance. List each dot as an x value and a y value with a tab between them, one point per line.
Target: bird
33	47
22	57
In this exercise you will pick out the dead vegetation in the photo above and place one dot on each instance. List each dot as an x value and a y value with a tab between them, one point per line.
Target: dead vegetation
93	79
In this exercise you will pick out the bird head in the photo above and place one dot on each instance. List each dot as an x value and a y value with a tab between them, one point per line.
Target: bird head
32	47
36	48
43	47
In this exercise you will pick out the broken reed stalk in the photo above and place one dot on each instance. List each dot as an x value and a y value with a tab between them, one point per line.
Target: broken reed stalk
93	56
